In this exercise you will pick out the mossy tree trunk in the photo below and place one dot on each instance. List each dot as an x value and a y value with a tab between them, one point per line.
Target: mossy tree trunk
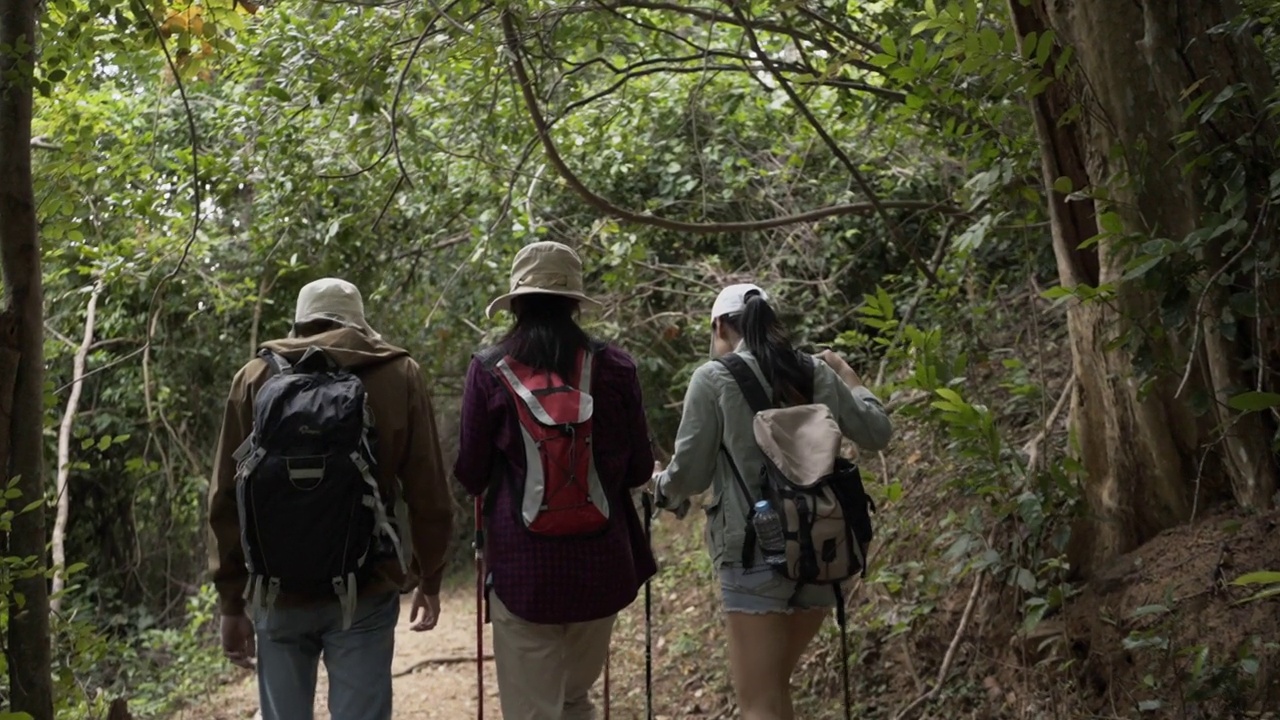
22	367
1160	120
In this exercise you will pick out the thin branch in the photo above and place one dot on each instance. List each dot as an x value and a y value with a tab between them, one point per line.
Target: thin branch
63	476
603	205
360	171
1213	279
387	205
195	168
1032	448
712	16
848	35
104	368
440	661
444	13
950	657
839	152
395	102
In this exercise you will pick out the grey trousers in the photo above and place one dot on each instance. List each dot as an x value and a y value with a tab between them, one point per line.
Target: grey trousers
291	642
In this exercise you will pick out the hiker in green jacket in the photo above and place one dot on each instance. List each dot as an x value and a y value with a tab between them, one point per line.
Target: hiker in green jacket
770	619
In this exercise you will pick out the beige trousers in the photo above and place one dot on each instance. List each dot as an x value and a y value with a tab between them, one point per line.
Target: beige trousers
545	672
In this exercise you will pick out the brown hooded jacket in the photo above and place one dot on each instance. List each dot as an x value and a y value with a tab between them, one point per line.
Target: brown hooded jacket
407	448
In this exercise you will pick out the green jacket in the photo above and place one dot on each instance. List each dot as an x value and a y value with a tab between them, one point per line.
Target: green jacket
716	414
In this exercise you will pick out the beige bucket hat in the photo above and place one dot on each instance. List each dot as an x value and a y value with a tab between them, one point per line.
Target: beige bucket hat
547	267
332	299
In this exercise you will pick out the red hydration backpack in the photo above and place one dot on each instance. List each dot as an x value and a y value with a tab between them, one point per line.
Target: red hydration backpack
561	494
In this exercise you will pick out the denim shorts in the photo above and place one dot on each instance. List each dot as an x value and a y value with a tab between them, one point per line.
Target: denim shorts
760	590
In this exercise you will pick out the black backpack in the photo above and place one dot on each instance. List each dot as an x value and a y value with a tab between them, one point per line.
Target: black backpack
311	514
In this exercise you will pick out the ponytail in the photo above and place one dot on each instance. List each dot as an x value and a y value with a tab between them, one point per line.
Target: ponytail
780	363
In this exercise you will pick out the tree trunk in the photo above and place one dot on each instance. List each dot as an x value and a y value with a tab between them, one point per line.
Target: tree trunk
30	685
1149	459
62	487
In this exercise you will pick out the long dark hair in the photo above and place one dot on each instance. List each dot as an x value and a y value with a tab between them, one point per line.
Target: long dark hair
546	336
782	365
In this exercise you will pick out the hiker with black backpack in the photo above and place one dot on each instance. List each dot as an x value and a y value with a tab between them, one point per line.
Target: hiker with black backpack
788	519
554	439
328	498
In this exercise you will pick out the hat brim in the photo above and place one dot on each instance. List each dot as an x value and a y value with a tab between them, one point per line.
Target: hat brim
503	302
360	325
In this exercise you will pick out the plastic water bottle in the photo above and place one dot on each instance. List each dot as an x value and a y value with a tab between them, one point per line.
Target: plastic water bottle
768	525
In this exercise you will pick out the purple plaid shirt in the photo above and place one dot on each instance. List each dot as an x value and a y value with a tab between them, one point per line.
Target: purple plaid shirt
553	580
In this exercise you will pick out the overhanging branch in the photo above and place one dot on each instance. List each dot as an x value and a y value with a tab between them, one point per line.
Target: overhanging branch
834	146
603	205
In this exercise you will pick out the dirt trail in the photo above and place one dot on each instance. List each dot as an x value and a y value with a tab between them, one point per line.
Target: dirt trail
444	691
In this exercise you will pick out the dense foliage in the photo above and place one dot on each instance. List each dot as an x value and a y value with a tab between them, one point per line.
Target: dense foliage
196	163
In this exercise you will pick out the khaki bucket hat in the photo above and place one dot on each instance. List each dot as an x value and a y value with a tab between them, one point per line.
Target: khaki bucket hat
332	299
548	268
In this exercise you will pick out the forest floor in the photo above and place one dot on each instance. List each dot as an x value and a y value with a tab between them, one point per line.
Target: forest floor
424	690
1159	633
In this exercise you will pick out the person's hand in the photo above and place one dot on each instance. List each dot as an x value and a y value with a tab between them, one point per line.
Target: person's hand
842	368
659	501
237	640
425	613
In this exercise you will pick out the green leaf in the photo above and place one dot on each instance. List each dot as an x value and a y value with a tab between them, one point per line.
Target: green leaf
1111	222
1035	610
1044	47
951	395
1149	610
1141	266
1254	401
1261	577
1063	185
893	492
1029	44
1026	580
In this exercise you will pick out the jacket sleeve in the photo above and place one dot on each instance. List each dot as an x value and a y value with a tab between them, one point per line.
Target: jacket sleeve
476	446
861	416
426	487
640	465
226	555
693	460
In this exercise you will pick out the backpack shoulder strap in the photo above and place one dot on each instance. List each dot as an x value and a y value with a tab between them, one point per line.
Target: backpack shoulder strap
809	363
490	356
749	539
275	362
586	360
746	378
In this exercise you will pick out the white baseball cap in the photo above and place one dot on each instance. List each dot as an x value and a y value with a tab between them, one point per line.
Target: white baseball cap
733	299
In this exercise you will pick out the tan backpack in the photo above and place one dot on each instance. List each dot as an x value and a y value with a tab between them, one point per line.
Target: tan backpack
825	512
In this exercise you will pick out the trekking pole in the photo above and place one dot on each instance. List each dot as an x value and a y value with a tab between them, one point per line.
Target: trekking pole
479	545
606	686
646	502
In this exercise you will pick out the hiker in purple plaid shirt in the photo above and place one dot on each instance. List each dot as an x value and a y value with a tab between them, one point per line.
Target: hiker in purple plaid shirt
554	600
